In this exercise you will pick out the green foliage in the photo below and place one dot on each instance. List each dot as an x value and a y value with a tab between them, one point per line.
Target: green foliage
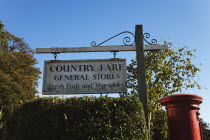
159	125
78	119
205	130
17	71
167	72
1	122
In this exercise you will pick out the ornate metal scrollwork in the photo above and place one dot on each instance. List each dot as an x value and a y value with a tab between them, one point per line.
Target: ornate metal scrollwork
153	41
126	40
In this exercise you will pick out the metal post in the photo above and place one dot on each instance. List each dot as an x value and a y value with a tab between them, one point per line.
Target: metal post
142	86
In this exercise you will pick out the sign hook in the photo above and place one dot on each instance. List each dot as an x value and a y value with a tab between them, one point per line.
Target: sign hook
55	55
115	53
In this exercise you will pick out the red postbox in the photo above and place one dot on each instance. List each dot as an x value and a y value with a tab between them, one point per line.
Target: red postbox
182	113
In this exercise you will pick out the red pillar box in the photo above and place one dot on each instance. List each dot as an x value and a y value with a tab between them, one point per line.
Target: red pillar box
182	114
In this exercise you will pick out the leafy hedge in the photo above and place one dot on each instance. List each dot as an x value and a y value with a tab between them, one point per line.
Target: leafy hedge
77	118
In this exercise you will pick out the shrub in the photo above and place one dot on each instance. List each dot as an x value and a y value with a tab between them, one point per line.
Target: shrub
77	118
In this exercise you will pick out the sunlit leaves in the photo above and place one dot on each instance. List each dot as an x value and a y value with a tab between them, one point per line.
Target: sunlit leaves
167	72
17	71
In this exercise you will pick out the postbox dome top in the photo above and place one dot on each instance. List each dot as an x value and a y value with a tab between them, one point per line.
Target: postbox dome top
181	98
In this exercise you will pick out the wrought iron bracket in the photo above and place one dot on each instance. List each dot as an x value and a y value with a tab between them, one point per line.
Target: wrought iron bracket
153	41
126	40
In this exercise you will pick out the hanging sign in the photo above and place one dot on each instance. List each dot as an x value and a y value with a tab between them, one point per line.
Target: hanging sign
84	76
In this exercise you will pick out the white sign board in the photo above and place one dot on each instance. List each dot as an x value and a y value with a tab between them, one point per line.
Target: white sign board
84	76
